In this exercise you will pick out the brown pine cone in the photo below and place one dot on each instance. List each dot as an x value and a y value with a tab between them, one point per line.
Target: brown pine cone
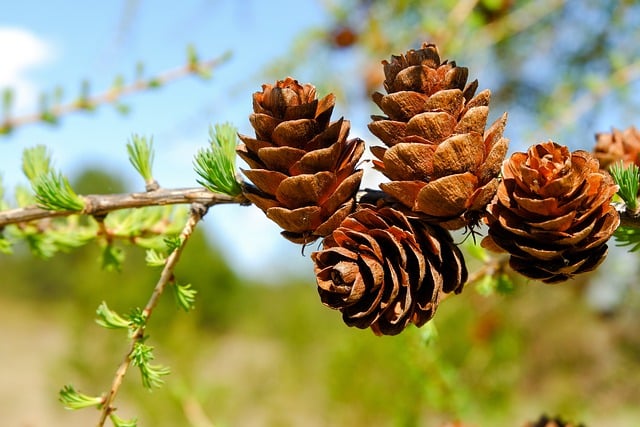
303	168
618	146
552	213
385	270
442	162
545	421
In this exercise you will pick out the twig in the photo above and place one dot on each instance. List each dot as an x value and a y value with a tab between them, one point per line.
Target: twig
628	218
198	210
101	204
112	95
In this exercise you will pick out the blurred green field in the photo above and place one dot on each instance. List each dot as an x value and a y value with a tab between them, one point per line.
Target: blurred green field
255	355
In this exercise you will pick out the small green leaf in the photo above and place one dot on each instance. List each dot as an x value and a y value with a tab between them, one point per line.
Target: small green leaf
192	58
84	99
185	296
36	162
7	101
109	319
486	285
123	109
137	318
118	83
39	244
155	258
504	284
141	155
139	72
24	196
112	258
217	164
151	375
476	251
71	399
5	245
119	422
172	243
58	94
54	192
628	236
628	180
49	117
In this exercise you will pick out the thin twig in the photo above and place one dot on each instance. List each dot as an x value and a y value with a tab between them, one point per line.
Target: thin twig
198	210
101	204
112	95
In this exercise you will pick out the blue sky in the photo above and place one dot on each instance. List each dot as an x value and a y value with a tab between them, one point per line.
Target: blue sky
61	43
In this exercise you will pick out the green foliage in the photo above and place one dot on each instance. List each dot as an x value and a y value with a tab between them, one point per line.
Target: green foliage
147	227
172	243
54	192
36	162
628	236
628	180
109	319
151	375
216	165
497	283
119	422
185	296
62	236
141	155
154	258
5	245
112	257
137	318
72	399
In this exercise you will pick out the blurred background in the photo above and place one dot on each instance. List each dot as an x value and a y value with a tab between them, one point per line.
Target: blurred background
260	349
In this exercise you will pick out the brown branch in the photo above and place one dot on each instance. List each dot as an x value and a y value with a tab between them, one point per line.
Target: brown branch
101	204
112	95
198	210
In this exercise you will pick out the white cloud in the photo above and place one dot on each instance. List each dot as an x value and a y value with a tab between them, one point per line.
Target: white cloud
20	51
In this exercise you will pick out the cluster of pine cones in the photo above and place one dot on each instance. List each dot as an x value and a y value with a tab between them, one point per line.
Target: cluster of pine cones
386	263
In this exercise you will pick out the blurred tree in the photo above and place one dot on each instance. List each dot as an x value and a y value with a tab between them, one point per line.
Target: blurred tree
563	70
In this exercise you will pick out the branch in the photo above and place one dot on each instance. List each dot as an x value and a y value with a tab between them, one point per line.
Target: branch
101	204
50	115
628	218
198	210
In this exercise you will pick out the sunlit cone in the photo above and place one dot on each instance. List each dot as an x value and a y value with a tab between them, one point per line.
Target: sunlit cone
302	166
552	213
385	270
618	146
442	160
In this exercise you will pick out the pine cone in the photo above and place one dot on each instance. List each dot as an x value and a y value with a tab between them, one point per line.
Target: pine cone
618	146
441	161
552	213
545	421
302	165
384	270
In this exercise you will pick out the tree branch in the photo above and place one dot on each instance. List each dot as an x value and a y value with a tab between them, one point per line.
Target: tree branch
627	218
197	212
112	95
101	204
